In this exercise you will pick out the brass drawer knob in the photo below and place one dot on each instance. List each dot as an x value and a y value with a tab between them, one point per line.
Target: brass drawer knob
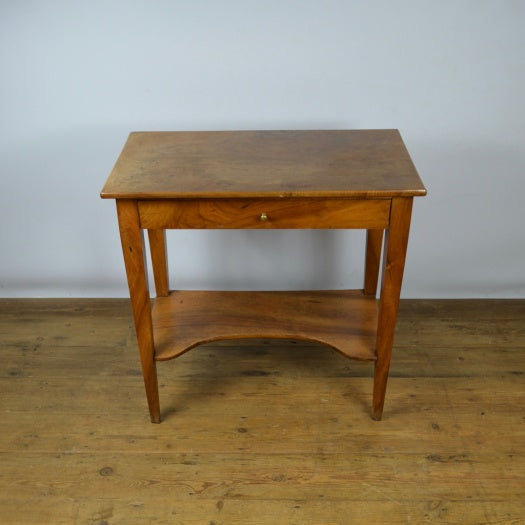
264	217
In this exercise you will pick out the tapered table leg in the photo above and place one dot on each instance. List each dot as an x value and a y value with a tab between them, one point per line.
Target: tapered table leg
396	241
374	239
133	249
157	244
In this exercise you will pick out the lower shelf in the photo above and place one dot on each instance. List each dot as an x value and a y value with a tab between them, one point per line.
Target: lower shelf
345	320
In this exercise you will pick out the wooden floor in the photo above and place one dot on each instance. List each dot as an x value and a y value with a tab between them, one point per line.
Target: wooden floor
261	432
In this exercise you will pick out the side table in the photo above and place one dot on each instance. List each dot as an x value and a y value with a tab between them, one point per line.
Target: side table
265	179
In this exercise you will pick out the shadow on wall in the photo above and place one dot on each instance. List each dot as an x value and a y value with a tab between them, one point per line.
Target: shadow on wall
266	259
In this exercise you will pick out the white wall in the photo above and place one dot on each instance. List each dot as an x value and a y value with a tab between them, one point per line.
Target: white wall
76	77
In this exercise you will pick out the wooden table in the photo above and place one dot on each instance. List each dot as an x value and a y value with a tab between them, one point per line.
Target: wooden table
261	180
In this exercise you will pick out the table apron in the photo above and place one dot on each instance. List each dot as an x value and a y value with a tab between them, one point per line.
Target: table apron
267	213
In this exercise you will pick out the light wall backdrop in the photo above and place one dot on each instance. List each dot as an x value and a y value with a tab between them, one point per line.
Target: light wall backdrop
78	76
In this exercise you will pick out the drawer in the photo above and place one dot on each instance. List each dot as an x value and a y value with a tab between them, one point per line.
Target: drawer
311	212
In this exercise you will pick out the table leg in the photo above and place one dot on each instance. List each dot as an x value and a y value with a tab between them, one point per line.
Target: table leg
374	239
396	241
133	249
157	244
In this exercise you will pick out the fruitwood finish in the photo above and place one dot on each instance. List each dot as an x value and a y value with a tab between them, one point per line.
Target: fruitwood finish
343	320
264	213
225	164
133	248
265	179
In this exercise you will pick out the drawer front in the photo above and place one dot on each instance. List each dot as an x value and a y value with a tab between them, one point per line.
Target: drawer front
317	213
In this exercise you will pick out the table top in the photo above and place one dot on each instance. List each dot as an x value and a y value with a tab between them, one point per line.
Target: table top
226	164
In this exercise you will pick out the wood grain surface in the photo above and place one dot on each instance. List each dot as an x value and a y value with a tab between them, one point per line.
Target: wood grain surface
343	320
261	432
324	163
263	179
313	213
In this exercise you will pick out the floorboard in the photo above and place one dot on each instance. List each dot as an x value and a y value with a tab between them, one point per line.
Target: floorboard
262	432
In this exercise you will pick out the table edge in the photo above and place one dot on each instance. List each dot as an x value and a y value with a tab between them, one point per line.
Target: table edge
387	194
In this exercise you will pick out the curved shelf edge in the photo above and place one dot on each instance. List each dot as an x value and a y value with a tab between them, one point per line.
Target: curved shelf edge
344	320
